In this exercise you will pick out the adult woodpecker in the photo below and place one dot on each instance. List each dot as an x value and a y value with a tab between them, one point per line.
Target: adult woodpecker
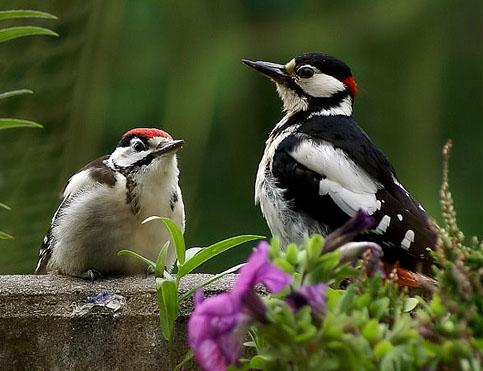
104	204
319	167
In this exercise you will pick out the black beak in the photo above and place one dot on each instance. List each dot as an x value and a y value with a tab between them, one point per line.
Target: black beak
167	147
276	72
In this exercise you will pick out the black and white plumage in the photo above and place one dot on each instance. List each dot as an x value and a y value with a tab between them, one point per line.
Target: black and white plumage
319	167
104	204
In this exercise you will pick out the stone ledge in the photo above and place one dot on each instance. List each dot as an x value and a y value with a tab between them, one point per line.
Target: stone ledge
41	329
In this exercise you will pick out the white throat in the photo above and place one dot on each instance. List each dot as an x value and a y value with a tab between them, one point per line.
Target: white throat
292	103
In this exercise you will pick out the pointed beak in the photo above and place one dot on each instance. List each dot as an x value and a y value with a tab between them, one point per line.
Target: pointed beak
276	72
167	147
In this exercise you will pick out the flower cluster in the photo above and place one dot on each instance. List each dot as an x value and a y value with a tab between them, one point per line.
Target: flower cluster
220	323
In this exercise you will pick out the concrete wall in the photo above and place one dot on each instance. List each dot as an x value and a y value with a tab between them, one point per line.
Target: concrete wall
47	323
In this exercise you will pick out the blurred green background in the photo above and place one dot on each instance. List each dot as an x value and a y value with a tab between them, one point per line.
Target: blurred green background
176	65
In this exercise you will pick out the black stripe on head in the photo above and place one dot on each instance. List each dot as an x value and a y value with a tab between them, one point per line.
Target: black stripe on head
318	103
325	64
126	140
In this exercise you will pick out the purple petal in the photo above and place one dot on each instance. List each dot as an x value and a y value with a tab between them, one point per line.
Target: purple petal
359	223
218	324
199	297
210	356
253	306
354	250
259	269
313	295
215	316
296	301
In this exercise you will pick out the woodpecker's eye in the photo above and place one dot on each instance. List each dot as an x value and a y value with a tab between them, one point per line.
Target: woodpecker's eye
138	146
305	72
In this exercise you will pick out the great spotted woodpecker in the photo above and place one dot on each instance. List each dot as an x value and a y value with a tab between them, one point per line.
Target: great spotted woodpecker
319	167
104	204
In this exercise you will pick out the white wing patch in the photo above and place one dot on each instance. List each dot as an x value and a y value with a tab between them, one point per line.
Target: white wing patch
407	240
348	185
383	225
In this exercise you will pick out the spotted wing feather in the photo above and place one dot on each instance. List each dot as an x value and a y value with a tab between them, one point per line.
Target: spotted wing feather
329	169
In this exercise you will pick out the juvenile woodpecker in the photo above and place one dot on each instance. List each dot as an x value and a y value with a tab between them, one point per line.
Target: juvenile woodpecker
319	167
104	204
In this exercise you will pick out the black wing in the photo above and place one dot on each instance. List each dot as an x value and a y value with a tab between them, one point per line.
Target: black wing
330	168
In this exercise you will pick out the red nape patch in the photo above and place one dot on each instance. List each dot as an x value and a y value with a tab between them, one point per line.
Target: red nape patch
351	84
148	133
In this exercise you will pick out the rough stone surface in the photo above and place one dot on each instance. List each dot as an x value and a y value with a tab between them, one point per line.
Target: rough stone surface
40	328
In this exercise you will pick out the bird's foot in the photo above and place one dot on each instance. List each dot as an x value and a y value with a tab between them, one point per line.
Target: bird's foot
91	275
149	271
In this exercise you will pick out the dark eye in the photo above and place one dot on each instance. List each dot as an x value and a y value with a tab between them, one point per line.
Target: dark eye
305	72
138	146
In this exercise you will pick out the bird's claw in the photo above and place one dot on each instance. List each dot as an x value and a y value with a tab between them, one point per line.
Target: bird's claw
149	271
91	275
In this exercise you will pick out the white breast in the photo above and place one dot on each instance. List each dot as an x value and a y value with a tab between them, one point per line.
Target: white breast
98	222
289	226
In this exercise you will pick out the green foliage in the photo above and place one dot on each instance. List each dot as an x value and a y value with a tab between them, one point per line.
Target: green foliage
16	123
11	33
167	284
11	14
374	324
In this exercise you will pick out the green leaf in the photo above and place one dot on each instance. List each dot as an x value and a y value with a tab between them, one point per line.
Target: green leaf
138	256
6	207
16	123
176	235
333	297
13	93
291	253
5	236
168	306
11	33
161	260
216	277
410	304
437	306
188	356
10	14
371	330
258	362
211	251
383	347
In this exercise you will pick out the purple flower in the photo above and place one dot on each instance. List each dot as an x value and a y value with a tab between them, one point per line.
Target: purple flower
218	324
371	252
259	269
212	331
359	223
313	295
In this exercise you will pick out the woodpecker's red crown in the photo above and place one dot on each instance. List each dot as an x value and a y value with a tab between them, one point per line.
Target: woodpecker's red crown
147	133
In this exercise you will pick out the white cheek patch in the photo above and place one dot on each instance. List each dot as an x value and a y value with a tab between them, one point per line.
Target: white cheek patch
321	85
124	156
